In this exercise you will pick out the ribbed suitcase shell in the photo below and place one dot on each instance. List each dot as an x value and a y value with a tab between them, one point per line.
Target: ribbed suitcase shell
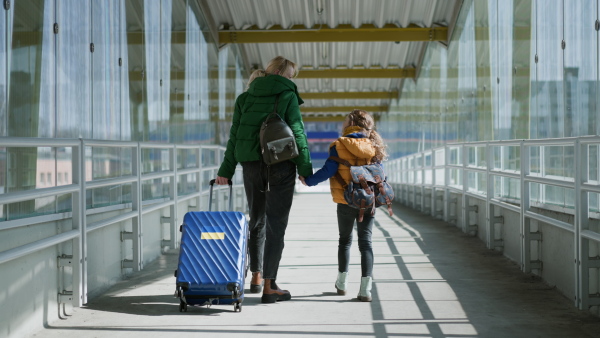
212	255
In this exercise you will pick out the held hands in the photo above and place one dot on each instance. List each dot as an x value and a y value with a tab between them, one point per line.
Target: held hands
221	180
301	178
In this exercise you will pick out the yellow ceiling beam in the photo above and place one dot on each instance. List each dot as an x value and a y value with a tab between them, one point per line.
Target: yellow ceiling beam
349	95
343	33
356	73
342	109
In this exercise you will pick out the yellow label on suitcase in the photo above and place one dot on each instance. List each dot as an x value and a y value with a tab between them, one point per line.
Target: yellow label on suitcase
212	235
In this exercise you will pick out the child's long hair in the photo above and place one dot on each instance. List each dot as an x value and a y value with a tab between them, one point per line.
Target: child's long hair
278	65
362	119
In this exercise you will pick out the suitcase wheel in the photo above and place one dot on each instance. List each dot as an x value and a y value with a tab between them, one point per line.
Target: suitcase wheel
182	307
237	307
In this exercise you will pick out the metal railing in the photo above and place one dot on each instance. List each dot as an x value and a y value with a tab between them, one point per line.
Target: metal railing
486	171
137	207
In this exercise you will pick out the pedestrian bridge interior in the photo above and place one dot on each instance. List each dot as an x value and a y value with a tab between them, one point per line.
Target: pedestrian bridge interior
114	116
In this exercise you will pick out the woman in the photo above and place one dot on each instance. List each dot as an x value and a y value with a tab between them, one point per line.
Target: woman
269	208
360	144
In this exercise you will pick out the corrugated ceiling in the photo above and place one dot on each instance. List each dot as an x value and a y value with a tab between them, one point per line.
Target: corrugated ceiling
297	15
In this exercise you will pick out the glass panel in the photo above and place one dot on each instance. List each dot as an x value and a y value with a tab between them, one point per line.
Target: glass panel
106	196
439	177
467	80
482	183
180	97
5	22
482	157
505	187
513	158
501	33
471	156
535	160
135	65
73	85
455	176
580	69
593	202
522	58
187	184
496	157
548	119
155	188
535	193
155	160
124	84
558	161
209	157
157	39
455	157
206	177
428	176
106	103
30	113
592	153
428	159
472	181
440	157
187	158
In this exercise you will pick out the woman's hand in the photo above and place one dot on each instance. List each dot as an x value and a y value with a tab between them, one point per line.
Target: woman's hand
301	178
221	180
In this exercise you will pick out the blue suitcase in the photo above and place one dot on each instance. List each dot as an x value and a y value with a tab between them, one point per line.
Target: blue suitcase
212	258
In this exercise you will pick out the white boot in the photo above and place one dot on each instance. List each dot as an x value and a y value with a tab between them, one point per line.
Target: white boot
365	289
340	283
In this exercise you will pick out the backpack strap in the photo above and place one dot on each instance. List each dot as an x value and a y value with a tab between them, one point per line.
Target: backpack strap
337	175
267	119
340	161
340	179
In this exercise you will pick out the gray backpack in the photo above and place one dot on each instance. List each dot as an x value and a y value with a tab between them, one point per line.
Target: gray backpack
277	141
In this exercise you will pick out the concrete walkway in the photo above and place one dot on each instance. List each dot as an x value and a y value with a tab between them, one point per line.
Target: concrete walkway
430	280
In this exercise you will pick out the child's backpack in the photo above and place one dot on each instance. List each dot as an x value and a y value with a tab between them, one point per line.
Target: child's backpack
367	189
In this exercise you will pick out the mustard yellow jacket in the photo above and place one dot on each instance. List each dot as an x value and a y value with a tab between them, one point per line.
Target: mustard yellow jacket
357	151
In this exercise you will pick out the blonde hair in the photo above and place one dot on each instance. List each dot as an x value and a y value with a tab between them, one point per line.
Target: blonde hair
254	75
278	65
364	120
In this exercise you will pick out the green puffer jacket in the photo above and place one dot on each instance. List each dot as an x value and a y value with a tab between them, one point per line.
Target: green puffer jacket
251	109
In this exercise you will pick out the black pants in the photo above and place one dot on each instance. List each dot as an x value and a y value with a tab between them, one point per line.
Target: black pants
269	212
347	215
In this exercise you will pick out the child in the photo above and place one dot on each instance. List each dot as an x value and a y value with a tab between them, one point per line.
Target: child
360	144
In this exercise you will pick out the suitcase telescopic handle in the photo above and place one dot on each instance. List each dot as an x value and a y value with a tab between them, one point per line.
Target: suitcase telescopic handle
210	194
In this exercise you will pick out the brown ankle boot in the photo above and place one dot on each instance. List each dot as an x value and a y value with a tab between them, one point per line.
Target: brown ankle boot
272	293
256	284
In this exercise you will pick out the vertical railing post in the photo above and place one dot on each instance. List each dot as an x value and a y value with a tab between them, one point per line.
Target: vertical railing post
446	184
136	205
581	223
525	201
218	196
413	183
465	188
432	203
489	215
422	184
79	222
199	179
173	192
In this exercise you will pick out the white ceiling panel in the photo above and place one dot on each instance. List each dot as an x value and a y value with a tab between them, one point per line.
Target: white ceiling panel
316	14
